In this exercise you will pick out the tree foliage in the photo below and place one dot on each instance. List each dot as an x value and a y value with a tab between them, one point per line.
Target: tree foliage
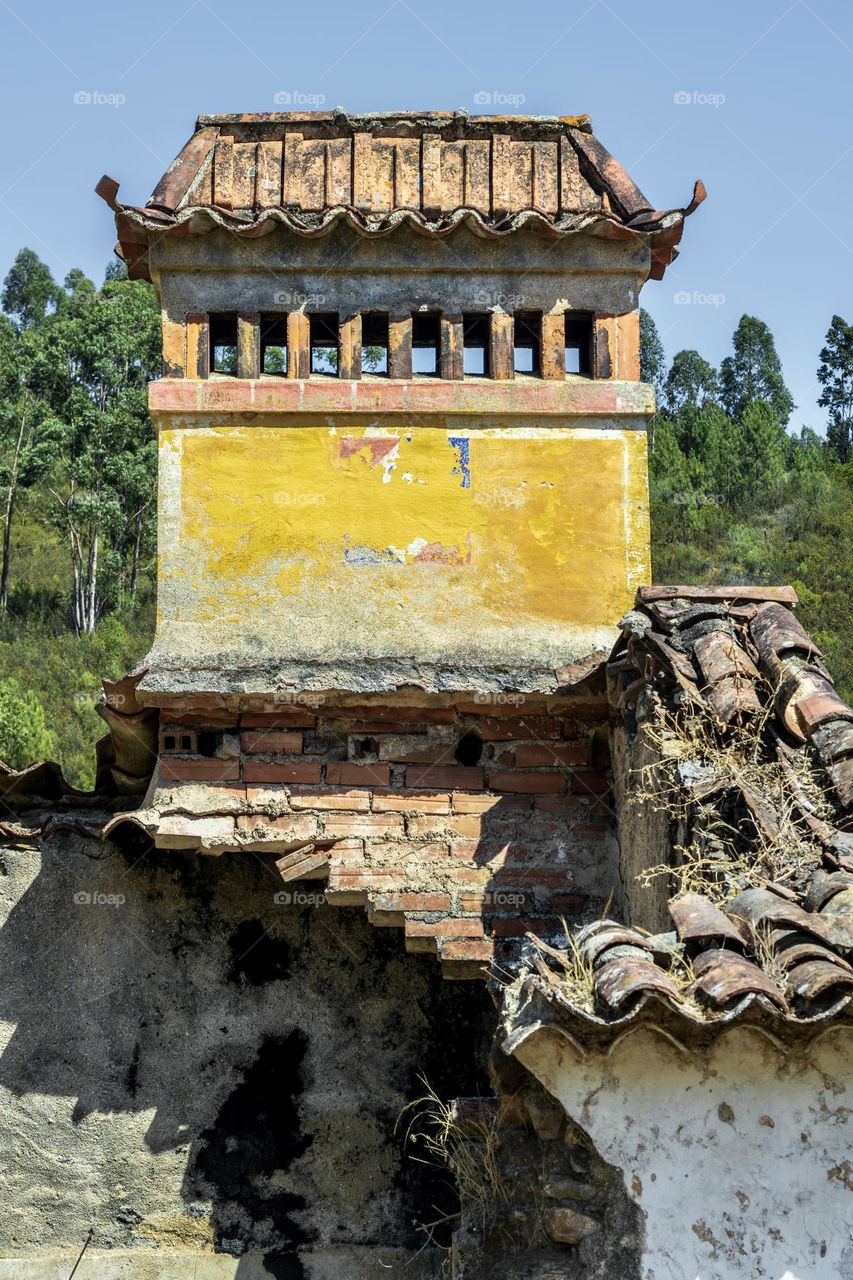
754	372
835	375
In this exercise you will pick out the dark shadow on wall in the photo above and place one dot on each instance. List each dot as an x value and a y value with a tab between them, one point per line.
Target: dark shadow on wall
274	1045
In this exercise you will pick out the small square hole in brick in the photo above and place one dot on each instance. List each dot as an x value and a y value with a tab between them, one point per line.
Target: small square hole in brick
223	343
324	344
374	343
274	345
526	356
475	343
425	343
579	342
169	742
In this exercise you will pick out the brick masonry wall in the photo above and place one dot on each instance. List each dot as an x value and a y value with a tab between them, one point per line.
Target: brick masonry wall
464	825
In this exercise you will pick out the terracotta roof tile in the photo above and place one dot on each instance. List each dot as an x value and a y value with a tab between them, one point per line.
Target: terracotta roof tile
314	171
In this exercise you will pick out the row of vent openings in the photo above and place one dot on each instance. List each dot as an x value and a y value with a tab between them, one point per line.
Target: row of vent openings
426	341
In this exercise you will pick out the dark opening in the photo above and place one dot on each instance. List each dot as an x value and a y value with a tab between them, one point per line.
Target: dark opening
324	344
469	749
223	342
274	344
374	343
426	330
207	743
169	742
579	342
366	747
527	330
186	742
475	342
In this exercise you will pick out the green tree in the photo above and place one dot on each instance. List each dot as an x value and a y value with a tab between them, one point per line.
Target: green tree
762	456
29	290
754	372
835	375
104	477
24	735
26	430
690	382
652	358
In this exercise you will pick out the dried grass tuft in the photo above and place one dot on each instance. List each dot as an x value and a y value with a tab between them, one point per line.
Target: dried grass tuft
737	806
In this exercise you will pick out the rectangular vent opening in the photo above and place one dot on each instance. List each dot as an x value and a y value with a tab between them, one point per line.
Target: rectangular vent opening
579	342
475	345
527	350
223	343
426	332
324	344
274	345
374	343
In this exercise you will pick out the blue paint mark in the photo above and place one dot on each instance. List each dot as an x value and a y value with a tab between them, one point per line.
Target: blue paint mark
368	555
462	445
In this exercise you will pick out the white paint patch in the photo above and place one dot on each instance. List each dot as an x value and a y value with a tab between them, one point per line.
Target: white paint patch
739	1156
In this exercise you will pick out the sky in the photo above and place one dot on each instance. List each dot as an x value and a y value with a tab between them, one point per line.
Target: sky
753	96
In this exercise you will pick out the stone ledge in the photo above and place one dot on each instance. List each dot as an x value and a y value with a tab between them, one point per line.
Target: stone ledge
332	1263
576	396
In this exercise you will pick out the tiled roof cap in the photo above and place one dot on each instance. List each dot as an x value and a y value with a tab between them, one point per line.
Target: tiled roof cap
435	171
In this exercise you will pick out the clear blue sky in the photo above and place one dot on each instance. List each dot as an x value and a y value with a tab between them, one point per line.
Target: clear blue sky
767	123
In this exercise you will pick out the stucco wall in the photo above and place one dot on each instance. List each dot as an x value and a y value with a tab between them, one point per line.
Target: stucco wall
454	542
210	1077
738	1154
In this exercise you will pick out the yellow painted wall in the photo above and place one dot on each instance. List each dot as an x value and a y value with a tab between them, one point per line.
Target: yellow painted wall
424	541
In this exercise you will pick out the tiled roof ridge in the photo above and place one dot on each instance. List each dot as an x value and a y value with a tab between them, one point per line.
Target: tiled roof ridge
313	172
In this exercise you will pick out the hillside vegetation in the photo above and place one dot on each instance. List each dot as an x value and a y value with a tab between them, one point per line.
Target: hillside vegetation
736	497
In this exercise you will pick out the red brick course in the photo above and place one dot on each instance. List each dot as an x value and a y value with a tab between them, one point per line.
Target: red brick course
304	771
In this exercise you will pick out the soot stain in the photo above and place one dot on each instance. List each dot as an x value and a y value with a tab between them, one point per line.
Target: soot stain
256	956
254	1137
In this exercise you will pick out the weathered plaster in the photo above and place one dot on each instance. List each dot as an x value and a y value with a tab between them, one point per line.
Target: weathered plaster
738	1154
462	272
330	545
211	1076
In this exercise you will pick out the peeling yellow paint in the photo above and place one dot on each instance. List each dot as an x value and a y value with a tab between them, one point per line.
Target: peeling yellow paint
485	527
